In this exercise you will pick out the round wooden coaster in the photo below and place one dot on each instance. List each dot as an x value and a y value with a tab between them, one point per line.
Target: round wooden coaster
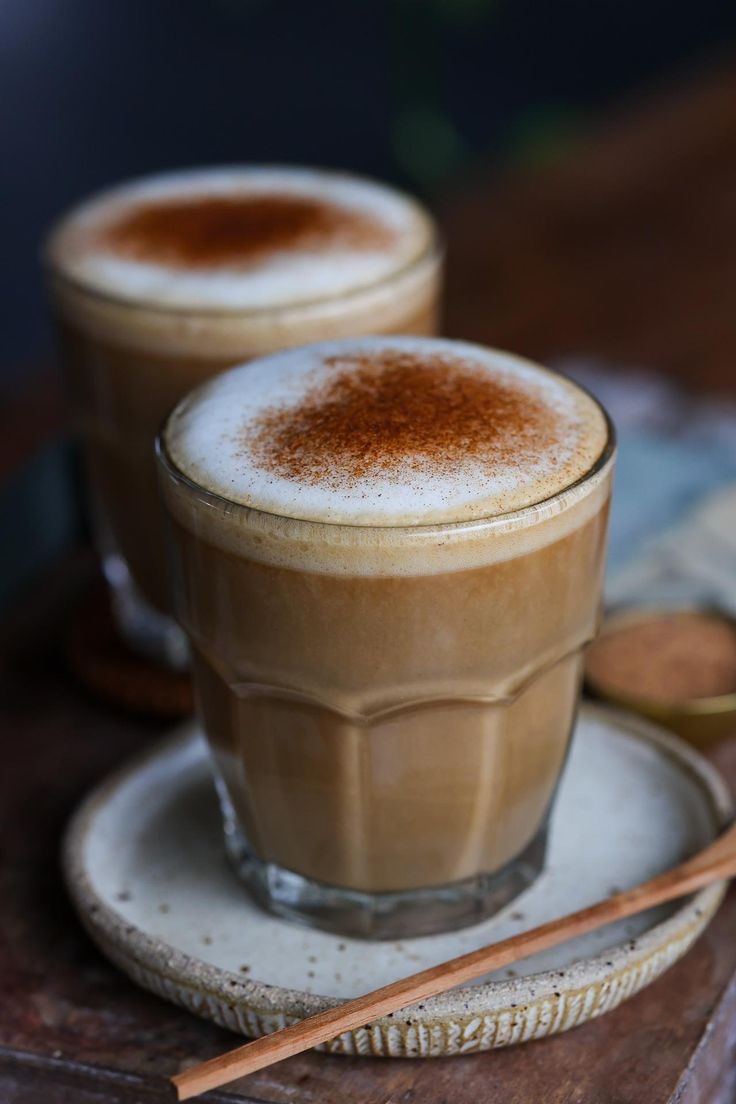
107	667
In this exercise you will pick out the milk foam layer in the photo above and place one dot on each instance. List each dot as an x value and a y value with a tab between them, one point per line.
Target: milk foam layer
80	250
215	437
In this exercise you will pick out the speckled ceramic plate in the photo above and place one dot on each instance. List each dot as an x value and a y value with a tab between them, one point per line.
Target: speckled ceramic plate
145	866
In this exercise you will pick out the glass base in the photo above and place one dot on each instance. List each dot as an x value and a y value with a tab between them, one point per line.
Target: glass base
146	631
383	915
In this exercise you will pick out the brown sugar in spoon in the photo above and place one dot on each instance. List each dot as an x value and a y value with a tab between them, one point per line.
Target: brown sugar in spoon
715	862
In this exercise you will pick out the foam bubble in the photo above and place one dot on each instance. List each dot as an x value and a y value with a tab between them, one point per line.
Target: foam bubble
317	266
543	434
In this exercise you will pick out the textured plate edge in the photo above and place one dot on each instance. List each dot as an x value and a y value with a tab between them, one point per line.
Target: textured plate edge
492	1014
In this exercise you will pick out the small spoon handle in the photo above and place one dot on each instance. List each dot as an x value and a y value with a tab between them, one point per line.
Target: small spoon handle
715	862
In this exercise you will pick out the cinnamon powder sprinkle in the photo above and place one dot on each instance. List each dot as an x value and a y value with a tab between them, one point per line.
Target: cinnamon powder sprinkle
242	230
383	414
671	658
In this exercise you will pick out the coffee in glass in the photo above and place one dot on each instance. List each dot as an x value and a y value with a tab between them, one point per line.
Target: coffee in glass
388	560
161	283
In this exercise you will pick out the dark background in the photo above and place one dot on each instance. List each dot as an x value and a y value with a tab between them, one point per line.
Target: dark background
421	92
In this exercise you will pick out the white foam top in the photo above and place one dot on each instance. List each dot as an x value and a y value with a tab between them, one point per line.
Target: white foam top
329	261
387	432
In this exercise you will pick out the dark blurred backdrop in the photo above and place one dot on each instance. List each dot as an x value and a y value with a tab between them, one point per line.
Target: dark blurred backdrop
421	92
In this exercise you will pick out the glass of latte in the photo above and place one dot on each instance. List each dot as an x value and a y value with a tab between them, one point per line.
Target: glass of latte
161	283
388	556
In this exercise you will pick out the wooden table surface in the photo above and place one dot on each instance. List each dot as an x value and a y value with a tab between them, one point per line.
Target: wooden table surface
626	252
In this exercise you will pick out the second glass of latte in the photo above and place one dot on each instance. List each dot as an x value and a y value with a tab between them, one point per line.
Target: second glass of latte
159	284
388	555
386	552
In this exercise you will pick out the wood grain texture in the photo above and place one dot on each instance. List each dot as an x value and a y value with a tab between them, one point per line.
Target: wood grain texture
61	1002
714	862
626	252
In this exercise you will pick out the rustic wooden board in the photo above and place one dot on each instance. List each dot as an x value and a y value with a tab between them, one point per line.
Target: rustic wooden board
71	1024
627	252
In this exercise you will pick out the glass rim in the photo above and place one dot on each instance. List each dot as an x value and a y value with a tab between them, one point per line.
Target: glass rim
434	250
606	455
